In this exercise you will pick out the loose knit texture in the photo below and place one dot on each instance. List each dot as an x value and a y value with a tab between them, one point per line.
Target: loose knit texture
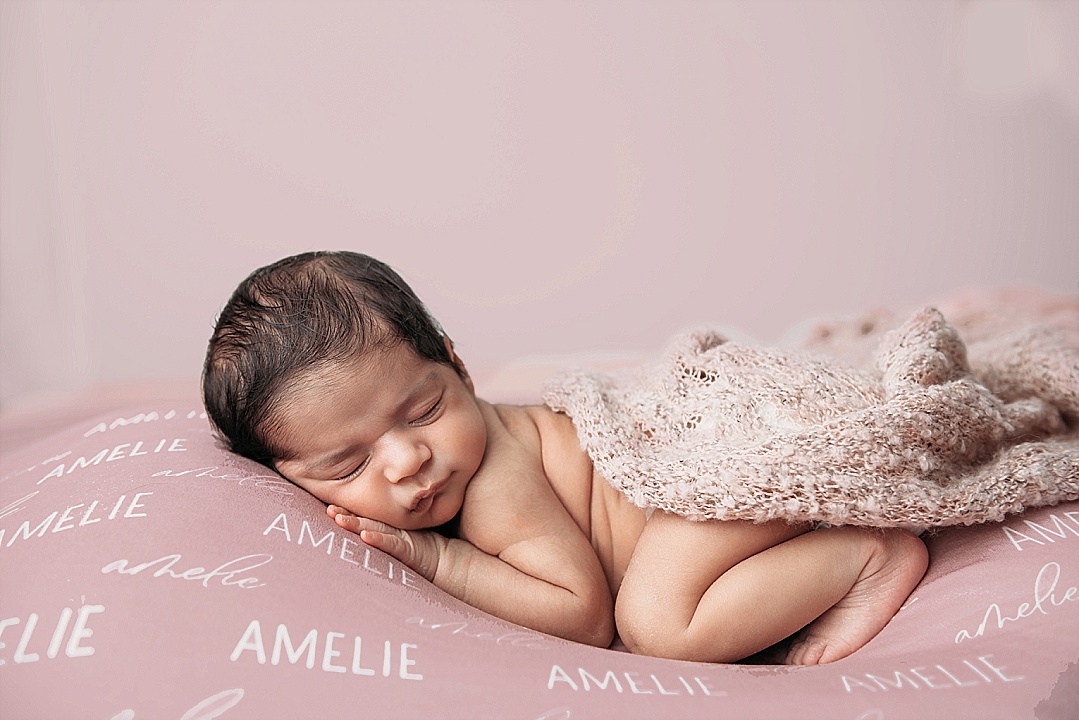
721	430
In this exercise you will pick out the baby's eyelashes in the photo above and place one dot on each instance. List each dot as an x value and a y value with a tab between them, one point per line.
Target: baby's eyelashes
430	414
359	469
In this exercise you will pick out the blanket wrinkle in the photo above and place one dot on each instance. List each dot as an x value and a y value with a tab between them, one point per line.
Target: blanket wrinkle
923	432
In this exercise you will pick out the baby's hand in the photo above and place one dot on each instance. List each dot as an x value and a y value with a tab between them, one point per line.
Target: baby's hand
419	549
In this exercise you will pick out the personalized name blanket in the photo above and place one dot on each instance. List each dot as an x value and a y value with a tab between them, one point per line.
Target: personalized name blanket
921	436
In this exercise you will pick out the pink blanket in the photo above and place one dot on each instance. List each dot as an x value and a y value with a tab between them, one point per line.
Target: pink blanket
926	434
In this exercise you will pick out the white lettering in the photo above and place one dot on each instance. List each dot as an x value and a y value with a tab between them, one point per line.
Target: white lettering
634	688
357	655
251	640
118	452
66	517
26	533
374	562
305	529
1045	598
1019	538
459	627
284	641
407	662
13	507
329	654
393	656
66	520
900	681
215	705
609	677
559	675
609	681
6	623
999	672
58	633
209	709
21	656
113	454
130	512
972	672
279	524
231	573
1062	529
81	632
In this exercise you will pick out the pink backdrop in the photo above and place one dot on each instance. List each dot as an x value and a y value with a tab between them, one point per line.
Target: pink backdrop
553	177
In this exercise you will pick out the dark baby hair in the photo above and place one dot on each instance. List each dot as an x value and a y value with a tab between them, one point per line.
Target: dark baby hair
304	313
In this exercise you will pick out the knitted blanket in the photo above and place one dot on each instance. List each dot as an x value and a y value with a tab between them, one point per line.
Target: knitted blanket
922	436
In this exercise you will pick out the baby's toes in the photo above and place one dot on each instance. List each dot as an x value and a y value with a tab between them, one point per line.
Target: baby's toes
806	650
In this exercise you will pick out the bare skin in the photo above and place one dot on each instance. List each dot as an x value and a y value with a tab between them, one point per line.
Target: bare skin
396	445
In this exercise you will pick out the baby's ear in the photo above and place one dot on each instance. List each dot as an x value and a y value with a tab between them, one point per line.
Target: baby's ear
458	363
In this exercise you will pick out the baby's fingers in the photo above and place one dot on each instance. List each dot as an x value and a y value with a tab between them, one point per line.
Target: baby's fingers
418	550
355	524
402	546
388	542
334	510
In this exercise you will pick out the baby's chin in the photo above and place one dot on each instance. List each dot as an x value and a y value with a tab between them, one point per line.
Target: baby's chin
447	522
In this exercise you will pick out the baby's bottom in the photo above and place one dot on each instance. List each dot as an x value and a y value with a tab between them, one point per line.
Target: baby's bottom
737	588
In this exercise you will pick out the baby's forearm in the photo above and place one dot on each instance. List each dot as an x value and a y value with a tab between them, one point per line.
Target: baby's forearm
545	583
581	612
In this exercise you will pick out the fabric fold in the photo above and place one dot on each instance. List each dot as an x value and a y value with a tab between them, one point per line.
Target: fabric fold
922	435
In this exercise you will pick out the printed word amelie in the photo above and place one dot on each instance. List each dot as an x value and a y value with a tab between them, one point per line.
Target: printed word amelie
957	674
460	628
388	659
142	418
1061	529
31	645
273	483
234	573
344	546
79	516
117	452
612	681
1046	597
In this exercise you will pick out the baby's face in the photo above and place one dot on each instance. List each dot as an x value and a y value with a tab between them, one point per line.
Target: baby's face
390	437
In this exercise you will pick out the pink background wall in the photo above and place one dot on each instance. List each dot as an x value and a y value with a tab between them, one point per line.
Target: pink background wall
553	177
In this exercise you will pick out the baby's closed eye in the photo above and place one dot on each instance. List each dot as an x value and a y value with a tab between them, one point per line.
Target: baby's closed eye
430	414
356	471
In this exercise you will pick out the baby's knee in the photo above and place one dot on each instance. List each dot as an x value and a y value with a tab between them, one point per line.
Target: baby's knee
644	623
631	625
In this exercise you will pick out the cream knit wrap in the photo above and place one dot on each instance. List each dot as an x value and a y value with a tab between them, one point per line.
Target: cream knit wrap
723	430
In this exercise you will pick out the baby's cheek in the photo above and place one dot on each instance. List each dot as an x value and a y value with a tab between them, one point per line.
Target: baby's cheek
477	439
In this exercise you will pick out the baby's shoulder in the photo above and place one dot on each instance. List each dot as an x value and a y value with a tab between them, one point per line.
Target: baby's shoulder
530	451
518	421
510	478
549	434
534	423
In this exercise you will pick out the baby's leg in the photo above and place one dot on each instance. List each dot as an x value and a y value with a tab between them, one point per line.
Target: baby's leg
895	561
720	591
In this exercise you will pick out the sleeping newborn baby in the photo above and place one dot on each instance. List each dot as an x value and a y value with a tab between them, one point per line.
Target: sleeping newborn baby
327	368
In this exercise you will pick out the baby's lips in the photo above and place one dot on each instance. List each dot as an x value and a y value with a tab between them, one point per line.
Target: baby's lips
419	498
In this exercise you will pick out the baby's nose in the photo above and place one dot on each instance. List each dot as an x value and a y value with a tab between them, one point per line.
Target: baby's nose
406	460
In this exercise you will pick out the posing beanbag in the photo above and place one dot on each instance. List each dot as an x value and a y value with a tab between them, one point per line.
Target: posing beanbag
148	573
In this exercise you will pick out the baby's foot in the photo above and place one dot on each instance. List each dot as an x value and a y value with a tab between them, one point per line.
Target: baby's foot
896	564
